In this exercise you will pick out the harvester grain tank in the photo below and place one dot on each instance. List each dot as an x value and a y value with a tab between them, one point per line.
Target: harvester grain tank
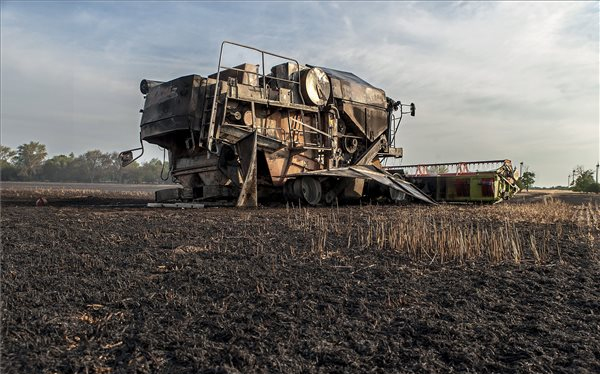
298	132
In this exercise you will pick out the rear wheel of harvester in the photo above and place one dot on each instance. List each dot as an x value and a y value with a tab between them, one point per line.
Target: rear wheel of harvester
297	188
311	190
330	197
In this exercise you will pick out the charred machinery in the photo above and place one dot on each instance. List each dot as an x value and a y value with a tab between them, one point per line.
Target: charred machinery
298	132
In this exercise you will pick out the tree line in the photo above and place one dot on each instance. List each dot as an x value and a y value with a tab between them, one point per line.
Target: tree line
585	181
29	162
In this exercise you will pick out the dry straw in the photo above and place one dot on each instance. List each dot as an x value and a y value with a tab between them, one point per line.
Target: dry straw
514	233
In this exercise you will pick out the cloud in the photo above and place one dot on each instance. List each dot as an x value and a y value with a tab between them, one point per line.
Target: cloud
490	80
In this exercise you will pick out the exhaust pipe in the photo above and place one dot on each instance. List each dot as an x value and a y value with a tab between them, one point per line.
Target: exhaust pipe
146	85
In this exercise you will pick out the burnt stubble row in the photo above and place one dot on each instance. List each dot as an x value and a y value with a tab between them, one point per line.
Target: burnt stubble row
218	290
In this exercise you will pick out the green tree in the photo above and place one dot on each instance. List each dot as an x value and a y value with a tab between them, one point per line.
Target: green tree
528	179
6	154
131	173
8	171
594	187
584	180
59	168
111	167
92	161
30	158
155	171
98	166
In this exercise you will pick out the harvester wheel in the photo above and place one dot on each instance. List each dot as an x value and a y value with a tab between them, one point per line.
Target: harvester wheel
350	144
297	188
311	190
396	195
330	197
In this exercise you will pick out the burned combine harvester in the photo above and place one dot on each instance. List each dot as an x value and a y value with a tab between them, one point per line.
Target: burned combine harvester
297	132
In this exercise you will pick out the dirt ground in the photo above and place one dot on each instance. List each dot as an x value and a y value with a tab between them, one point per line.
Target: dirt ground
91	286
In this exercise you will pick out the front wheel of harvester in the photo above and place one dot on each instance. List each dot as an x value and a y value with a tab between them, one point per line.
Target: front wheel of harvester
311	190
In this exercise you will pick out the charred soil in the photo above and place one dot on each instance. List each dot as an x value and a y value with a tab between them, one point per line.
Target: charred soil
220	290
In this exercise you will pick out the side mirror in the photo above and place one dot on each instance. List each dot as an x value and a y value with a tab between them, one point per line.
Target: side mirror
412	109
127	158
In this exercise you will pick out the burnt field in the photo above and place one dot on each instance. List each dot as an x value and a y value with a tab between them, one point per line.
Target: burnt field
503	288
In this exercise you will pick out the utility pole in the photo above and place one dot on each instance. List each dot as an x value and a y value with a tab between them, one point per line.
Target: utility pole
597	166
521	169
573	176
569	181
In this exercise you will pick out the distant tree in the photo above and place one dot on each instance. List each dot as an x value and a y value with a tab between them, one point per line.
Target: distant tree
594	187
111	168
584	180
131	173
527	179
59	168
8	171
438	169
6	154
97	165
29	162
151	171
30	158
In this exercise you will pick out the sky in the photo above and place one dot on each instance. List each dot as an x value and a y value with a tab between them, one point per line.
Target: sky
490	80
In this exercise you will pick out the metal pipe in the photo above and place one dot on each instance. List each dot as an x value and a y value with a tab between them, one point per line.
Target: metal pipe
213	109
147	84
521	168
457	163
265	94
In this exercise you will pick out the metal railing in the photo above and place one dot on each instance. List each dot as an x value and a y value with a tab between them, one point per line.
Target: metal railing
445	168
264	93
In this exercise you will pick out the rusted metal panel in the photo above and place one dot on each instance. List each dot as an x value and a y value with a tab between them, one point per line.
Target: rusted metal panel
348	87
244	74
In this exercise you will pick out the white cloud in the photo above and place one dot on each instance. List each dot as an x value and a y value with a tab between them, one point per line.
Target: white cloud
517	80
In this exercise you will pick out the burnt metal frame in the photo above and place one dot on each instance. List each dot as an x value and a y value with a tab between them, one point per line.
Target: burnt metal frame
211	125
